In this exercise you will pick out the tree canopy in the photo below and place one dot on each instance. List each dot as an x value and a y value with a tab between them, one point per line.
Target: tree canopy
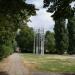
61	8
14	14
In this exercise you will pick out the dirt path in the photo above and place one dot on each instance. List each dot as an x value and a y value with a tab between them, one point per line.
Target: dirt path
14	66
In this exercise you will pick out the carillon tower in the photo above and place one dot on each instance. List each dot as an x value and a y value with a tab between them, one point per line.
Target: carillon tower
39	41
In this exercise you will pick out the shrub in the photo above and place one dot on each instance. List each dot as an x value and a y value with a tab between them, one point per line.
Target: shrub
5	51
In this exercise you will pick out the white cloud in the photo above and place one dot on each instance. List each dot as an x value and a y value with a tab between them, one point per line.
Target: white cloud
37	3
72	4
42	19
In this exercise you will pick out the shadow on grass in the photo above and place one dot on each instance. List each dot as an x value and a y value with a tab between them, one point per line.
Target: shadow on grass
3	73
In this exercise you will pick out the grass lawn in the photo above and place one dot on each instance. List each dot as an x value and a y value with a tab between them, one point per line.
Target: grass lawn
51	63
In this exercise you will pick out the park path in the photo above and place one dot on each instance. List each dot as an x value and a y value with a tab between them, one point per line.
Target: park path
14	66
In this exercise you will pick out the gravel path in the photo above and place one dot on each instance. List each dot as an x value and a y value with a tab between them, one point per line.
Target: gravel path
14	66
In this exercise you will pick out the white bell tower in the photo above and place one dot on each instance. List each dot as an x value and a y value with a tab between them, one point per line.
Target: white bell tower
39	41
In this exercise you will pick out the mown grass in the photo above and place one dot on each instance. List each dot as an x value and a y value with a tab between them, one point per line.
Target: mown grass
51	63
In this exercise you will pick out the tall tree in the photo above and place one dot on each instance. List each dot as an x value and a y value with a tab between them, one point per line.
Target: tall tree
71	30
60	36
62	10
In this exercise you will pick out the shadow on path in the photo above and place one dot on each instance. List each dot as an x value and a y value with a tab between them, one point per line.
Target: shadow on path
3	73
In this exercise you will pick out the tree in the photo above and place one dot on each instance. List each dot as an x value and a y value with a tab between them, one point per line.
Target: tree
62	10
11	7
25	39
14	14
71	30
60	36
50	42
6	37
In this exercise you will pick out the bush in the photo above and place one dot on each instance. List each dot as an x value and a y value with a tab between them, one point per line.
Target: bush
5	51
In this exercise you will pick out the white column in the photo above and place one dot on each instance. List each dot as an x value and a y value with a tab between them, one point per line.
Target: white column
34	43
37	42
42	42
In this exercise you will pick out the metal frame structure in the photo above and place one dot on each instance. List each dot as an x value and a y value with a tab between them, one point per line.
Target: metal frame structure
39	41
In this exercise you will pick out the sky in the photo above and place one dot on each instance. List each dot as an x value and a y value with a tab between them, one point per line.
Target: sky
43	19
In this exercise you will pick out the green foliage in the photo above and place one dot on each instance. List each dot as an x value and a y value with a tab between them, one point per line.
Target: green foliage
61	8
25	39
14	14
71	30
7	33
15	6
50	42
60	36
5	50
